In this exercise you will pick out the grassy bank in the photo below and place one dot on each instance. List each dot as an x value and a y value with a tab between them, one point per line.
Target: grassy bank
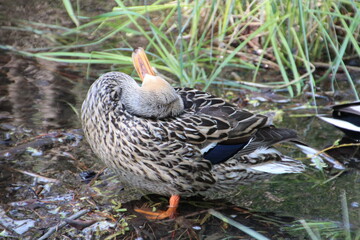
195	40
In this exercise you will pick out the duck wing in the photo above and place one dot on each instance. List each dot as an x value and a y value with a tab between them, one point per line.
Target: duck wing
222	130
214	120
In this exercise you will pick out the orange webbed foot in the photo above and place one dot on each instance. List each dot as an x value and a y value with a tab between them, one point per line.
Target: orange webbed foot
159	215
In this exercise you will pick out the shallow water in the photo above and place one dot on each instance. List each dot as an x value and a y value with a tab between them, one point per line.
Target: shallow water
38	97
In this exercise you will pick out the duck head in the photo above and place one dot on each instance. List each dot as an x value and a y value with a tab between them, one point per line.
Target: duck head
155	98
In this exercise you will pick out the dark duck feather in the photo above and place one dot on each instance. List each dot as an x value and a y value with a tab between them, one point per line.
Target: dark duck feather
178	141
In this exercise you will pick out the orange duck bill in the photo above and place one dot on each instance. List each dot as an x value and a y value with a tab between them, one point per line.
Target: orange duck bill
143	67
141	63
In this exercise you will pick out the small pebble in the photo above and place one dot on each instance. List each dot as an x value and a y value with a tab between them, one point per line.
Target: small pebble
87	176
196	227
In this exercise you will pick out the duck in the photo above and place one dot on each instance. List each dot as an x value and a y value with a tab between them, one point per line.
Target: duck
178	142
346	117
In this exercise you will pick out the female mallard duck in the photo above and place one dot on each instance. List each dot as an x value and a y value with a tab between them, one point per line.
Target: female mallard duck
178	141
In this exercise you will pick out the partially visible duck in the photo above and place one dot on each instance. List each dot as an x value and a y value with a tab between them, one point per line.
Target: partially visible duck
346	117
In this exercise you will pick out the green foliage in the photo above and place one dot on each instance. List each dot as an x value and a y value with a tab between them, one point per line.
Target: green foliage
317	230
193	41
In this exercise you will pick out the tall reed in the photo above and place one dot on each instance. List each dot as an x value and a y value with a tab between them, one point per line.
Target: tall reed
193	41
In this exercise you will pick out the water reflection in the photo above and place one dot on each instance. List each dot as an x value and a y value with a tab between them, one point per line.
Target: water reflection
36	95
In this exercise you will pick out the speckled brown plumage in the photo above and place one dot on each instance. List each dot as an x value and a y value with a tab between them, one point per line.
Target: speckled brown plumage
165	155
178	141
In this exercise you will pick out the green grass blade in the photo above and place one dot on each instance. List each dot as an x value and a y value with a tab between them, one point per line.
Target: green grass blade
345	215
239	226
70	11
306	48
309	230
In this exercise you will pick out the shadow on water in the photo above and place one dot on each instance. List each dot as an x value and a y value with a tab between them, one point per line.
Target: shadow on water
41	162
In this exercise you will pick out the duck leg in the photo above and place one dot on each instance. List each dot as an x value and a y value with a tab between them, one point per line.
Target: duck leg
159	215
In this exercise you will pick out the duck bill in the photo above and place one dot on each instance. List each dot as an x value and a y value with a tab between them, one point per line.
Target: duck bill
141	63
